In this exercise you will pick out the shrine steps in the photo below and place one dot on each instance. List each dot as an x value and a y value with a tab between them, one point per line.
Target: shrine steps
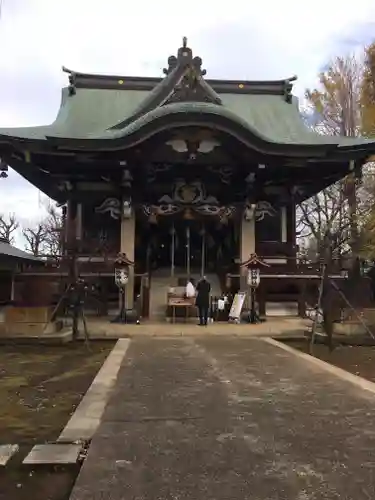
162	280
281	309
102	328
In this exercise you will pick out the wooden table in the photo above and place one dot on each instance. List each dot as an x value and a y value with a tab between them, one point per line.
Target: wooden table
174	302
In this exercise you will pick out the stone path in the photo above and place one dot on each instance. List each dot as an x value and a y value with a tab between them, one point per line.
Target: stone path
229	419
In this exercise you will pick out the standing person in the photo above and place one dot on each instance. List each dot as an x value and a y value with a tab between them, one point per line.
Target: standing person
203	300
189	289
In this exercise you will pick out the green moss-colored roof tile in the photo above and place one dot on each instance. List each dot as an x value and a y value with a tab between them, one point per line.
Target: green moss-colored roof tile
92	114
94	110
85	112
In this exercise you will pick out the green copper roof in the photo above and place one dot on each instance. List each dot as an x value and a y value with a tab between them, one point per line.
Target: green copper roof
108	108
91	112
88	111
268	116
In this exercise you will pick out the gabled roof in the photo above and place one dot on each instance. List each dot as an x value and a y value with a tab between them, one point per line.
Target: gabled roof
99	112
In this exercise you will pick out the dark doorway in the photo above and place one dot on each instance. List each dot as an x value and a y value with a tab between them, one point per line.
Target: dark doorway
190	246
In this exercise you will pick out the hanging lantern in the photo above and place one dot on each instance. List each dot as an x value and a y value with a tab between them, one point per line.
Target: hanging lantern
228	281
152	219
146	281
224	220
202	232
188	215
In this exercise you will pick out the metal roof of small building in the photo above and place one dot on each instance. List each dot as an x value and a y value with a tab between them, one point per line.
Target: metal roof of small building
10	251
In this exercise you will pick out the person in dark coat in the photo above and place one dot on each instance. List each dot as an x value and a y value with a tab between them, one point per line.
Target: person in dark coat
202	300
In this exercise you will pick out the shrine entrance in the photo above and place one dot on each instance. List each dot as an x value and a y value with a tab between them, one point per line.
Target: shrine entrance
190	246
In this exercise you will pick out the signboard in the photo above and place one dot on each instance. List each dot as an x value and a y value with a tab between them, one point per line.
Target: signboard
237	305
253	277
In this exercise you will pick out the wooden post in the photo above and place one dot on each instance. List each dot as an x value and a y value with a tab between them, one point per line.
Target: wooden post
71	243
302	298
173	244
247	242
203	250
188	250
262	293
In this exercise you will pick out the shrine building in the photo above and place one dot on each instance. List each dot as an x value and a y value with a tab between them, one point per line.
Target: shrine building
184	174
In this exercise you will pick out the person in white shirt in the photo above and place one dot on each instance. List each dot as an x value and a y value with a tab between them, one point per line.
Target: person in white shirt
190	289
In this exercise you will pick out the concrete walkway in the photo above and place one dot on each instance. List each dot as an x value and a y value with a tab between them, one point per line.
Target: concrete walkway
229	419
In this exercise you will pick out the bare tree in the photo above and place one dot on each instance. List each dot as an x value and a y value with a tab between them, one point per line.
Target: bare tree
44	238
8	226
336	109
35	238
53	226
323	214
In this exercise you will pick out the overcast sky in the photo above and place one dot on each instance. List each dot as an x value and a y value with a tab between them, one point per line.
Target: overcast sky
241	39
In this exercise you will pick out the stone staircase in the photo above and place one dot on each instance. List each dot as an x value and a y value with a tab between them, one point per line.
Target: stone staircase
159	285
161	281
281	309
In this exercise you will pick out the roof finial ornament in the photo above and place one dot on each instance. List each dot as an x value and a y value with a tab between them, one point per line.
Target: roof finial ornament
184	53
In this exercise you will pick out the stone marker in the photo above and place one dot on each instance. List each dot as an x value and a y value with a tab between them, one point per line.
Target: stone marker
6	452
53	454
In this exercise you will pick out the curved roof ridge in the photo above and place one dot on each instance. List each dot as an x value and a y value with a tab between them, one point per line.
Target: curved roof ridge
159	93
199	110
184	76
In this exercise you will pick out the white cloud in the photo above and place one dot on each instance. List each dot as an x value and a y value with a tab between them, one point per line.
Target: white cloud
242	39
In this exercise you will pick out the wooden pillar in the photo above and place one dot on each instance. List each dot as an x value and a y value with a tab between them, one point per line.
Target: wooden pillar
302	298
71	250
12	287
247	246
127	246
284	224
291	223
127	232
78	224
71	224
262	294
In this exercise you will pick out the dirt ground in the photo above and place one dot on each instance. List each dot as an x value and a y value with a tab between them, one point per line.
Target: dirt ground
359	360
40	387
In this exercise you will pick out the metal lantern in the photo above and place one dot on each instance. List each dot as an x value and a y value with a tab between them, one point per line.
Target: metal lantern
122	271
121	276
126	209
253	277
253	266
